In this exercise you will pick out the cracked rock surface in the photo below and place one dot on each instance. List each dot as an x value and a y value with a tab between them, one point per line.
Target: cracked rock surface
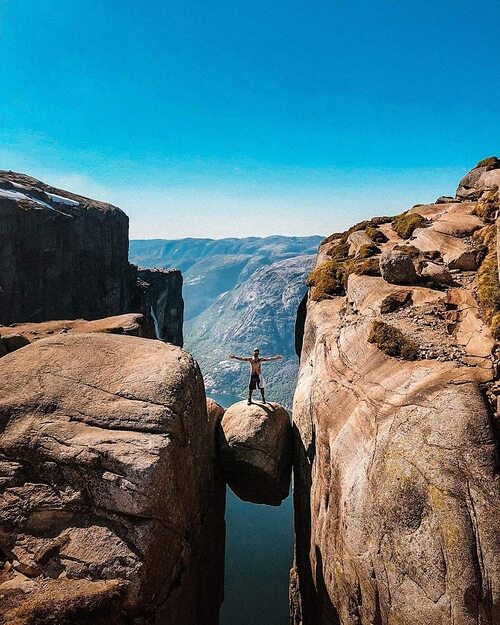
110	502
396	481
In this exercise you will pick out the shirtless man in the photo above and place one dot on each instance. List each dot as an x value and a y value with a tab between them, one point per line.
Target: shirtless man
256	379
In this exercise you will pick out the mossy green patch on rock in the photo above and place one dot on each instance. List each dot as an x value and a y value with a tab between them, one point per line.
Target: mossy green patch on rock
365	251
405	224
487	206
362	225
376	235
330	278
392	341
362	267
327	279
495	327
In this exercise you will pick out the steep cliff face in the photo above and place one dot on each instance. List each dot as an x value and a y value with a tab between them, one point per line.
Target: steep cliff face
54	242
112	508
64	256
160	297
396	481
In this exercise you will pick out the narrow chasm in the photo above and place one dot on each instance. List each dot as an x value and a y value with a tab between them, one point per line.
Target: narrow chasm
259	536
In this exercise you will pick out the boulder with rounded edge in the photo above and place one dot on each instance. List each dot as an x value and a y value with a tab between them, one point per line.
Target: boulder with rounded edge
255	443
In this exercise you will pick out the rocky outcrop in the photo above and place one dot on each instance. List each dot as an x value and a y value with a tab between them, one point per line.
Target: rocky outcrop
111	508
65	256
397	265
484	177
396	482
20	334
255	451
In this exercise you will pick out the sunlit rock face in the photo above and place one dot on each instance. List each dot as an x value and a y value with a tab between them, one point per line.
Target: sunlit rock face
19	335
255	451
396	481
111	503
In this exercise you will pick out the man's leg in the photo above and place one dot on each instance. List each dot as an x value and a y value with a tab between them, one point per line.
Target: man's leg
249	396
261	389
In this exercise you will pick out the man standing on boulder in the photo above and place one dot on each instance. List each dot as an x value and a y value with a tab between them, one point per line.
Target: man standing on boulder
256	379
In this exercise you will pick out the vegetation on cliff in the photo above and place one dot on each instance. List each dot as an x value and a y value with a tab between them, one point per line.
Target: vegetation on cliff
392	341
330	278
488	284
405	224
487	206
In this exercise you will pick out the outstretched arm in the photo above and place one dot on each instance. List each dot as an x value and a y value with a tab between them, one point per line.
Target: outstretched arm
270	358
243	358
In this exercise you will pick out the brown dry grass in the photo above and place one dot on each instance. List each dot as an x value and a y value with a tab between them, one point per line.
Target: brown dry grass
392	341
405	224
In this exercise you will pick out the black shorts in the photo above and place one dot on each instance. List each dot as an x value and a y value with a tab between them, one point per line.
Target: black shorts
254	382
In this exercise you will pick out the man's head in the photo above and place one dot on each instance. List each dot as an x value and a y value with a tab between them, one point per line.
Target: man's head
256	352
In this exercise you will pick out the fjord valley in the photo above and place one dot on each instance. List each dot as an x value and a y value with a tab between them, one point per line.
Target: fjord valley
239	294
114	465
249	313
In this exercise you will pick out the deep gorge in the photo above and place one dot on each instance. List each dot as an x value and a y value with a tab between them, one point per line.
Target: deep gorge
113	470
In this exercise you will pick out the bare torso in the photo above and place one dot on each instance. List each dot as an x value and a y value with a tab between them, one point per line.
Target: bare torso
256	366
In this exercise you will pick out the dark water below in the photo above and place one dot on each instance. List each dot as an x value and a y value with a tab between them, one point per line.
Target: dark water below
259	552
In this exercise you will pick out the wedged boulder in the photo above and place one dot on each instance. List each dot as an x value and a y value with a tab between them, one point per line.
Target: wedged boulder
397	265
255	448
108	473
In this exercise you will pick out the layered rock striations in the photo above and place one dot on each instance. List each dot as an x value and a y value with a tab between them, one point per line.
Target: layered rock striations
64	256
112	508
396	427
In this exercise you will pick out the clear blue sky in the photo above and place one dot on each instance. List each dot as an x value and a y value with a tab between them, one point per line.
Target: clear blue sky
249	117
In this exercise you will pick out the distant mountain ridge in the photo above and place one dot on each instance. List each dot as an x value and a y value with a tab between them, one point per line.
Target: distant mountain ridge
238	293
213	266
